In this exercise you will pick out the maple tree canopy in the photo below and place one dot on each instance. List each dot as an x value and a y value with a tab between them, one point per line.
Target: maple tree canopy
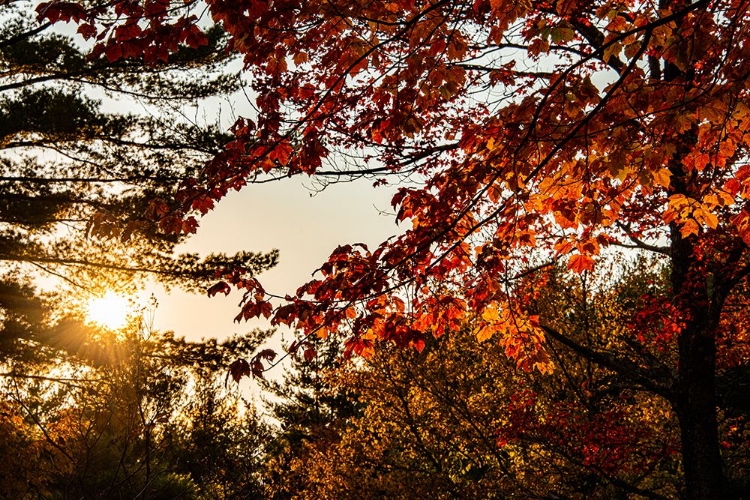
528	131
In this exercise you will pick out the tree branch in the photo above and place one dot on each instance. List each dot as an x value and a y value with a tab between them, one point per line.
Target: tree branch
658	383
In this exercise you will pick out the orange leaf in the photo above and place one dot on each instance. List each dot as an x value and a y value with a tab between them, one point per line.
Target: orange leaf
580	263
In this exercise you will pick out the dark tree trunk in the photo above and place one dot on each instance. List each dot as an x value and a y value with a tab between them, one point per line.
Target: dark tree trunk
695	387
695	405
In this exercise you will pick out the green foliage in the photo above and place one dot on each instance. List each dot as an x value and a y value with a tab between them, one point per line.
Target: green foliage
88	146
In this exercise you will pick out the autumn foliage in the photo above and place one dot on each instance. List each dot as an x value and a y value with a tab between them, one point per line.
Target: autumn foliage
524	133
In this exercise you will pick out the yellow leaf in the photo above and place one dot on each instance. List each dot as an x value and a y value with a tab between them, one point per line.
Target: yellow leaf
631	49
562	35
711	200
623	173
612	51
706	217
678	201
689	227
662	176
711	220
484	333
726	198
490	315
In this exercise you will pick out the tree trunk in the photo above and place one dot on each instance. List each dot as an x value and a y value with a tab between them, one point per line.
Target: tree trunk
695	406
695	388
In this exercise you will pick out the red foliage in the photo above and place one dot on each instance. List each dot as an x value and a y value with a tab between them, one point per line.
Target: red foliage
138	29
562	169
624	126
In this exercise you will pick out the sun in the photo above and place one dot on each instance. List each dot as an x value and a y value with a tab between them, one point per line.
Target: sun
110	311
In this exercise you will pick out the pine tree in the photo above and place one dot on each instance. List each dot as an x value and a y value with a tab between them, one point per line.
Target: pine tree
134	418
87	145
311	413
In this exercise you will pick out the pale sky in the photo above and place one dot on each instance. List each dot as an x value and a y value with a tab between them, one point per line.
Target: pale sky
280	215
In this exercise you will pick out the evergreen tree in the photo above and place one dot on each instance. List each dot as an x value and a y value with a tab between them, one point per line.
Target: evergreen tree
87	145
311	413
144	418
222	448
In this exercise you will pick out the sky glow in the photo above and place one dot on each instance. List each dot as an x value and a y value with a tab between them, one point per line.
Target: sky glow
110	311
